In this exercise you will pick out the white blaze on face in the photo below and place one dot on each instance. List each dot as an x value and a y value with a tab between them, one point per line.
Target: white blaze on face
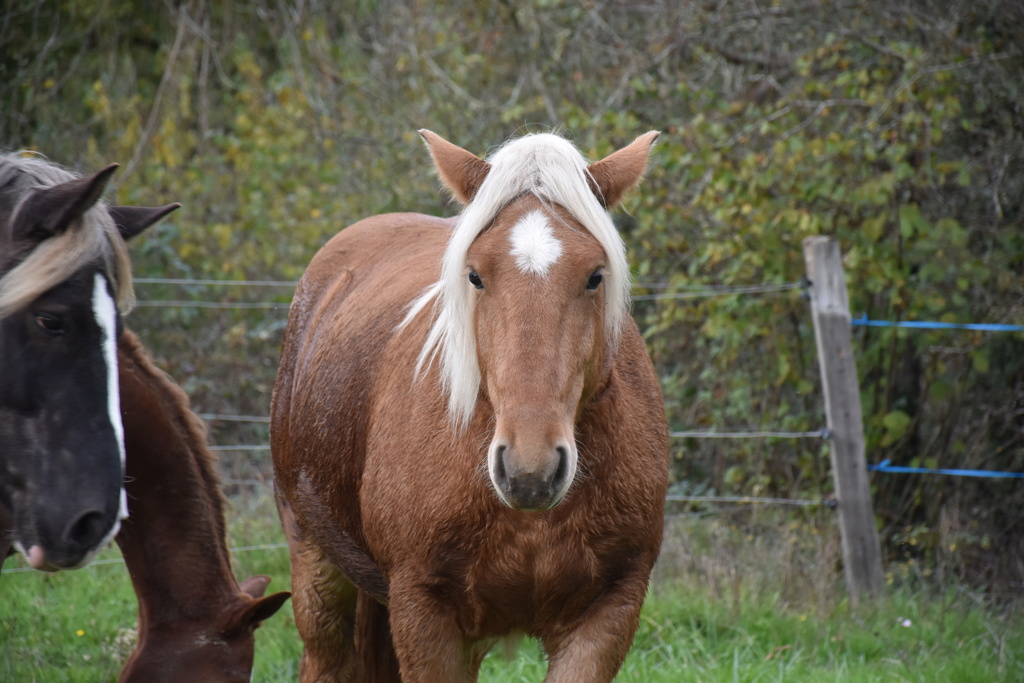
106	317
534	244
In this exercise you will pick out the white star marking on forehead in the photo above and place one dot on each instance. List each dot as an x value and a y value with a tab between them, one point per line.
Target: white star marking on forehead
534	245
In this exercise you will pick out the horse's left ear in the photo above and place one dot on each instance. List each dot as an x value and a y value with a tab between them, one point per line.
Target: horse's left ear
461	172
250	615
131	220
261	608
50	211
614	175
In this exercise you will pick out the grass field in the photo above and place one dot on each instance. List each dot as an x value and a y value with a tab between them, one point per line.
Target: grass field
726	605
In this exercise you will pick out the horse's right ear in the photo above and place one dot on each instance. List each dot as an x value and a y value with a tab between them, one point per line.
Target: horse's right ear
461	172
261	607
131	220
256	609
50	211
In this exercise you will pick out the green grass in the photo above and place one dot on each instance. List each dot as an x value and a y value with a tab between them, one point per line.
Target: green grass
688	638
714	617
78	626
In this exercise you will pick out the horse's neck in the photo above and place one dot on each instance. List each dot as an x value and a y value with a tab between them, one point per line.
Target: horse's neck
173	541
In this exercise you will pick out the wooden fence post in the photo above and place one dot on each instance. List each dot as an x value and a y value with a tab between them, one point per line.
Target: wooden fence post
830	307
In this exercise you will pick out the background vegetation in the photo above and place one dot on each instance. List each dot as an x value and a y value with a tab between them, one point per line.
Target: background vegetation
895	125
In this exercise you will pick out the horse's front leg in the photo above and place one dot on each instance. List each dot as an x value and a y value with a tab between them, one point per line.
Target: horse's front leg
324	604
427	639
594	650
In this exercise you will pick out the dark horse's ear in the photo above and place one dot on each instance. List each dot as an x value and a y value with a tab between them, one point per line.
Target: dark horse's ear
461	172
50	211
614	175
131	220
249	615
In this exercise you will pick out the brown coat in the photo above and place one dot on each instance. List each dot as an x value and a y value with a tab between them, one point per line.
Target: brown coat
542	516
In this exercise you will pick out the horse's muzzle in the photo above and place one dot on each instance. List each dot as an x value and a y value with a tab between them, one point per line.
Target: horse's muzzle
531	481
66	534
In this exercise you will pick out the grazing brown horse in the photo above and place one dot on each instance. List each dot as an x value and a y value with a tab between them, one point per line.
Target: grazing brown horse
468	435
195	622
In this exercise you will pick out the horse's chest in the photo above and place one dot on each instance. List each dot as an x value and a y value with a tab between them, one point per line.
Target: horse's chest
531	579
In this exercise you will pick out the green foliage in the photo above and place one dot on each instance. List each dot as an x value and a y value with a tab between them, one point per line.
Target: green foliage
895	128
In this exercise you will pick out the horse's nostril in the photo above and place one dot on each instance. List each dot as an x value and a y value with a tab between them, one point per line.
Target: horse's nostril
563	466
87	530
499	464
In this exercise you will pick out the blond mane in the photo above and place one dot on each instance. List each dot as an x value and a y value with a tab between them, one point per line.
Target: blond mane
552	169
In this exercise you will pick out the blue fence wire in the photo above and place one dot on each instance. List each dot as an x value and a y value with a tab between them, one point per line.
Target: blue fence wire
886	466
863	321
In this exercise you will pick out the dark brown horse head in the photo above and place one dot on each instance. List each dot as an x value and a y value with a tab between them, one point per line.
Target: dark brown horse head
219	651
533	291
64	275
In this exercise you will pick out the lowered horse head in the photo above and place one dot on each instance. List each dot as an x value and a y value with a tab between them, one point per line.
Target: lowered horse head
64	279
196	622
214	648
533	293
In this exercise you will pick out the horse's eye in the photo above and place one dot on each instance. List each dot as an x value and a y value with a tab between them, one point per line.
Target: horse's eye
594	280
50	323
475	280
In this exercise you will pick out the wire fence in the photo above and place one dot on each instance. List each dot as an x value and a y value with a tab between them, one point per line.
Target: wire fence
120	560
863	321
214	283
886	467
753	500
245	305
715	290
713	434
680	292
696	292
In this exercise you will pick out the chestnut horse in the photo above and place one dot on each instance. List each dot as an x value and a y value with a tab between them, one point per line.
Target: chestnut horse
195	622
468	436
